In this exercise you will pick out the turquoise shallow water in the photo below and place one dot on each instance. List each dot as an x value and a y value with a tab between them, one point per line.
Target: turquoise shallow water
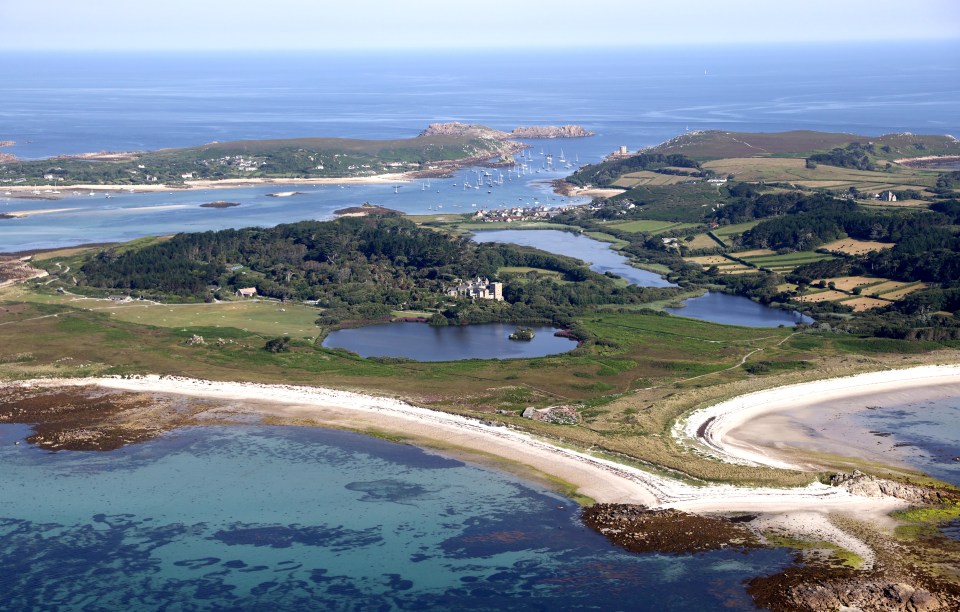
255	517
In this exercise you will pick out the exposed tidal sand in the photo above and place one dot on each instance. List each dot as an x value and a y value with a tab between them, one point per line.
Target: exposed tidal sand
377	179
749	429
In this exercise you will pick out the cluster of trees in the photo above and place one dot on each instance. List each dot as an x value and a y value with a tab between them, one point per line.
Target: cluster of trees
357	269
605	173
854	155
947	182
349	260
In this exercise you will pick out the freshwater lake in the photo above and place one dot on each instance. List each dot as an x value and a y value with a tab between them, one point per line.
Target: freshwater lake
713	306
736	310
423	342
598	254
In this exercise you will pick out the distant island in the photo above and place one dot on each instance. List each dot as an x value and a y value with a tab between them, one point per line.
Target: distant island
219	204
437	151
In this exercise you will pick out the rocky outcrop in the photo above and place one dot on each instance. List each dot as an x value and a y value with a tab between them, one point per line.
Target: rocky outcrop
864	485
550	131
639	529
456	128
826	595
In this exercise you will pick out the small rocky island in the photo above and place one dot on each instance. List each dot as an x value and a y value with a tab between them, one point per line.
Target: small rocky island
219	204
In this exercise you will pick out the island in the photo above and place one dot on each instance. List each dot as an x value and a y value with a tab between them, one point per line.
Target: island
219	204
644	422
524	334
437	151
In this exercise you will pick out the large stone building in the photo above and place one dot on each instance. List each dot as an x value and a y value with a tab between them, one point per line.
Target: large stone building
478	289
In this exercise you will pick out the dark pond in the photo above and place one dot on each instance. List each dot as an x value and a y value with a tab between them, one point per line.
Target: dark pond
736	310
598	254
422	342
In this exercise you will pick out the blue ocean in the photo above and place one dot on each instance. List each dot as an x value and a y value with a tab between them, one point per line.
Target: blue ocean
284	518
73	103
289	518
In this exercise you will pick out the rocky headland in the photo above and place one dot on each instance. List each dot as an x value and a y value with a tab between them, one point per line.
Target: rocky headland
865	485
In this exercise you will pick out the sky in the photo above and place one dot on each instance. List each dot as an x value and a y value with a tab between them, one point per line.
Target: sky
455	24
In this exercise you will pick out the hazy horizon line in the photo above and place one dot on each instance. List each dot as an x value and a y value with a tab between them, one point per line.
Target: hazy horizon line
498	48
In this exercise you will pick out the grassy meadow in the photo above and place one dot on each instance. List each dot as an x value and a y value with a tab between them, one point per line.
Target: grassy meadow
645	369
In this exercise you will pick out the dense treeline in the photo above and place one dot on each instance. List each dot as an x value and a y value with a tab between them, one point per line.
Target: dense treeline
795	221
356	268
605	173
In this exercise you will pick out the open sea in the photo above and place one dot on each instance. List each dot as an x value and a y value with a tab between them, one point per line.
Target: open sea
73	103
284	518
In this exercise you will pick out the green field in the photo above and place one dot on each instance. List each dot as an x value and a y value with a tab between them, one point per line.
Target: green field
788	261
715	144
688	203
649	226
737	228
795	172
263	317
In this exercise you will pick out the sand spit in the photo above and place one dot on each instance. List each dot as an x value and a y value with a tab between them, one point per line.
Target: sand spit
712	429
378	179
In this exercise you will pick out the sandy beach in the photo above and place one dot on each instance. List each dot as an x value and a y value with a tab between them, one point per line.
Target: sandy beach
714	429
803	510
595	477
385	179
19	214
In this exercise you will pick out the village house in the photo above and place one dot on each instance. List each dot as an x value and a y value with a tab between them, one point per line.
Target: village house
247	292
478	289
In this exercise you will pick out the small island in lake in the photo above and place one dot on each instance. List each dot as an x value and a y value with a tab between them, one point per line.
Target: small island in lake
219	204
522	333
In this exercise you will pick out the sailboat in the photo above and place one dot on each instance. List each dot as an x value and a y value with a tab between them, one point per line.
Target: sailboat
561	158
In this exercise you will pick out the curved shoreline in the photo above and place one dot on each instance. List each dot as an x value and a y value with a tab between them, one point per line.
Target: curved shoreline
598	478
709	429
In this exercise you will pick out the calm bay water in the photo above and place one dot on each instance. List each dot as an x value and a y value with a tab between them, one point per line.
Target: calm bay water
423	342
598	254
301	518
918	427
